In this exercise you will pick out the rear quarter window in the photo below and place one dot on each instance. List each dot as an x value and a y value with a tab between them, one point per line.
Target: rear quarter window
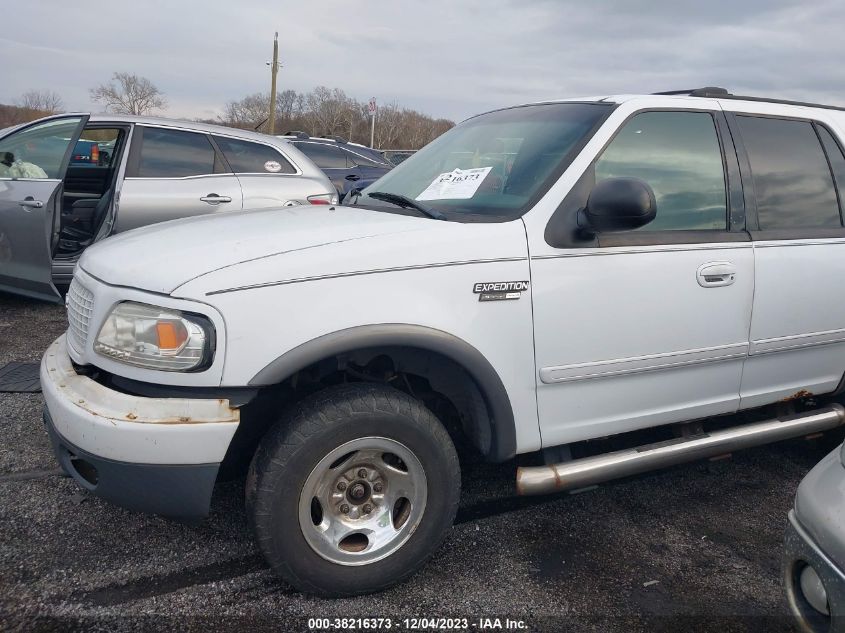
245	157
836	159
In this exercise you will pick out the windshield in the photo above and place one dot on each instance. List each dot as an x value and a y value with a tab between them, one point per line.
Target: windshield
494	165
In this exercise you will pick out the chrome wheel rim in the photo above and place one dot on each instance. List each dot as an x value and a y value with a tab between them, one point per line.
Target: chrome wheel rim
363	501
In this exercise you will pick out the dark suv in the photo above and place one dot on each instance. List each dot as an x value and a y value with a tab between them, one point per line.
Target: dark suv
348	165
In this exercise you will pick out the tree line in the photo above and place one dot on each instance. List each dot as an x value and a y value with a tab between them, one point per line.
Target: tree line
320	112
331	112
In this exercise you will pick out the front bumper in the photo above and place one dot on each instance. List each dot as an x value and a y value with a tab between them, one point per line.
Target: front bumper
157	455
800	551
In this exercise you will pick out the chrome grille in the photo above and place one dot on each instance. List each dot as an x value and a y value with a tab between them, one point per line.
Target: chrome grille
80	303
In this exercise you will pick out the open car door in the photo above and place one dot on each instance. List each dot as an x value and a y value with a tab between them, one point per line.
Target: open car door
33	161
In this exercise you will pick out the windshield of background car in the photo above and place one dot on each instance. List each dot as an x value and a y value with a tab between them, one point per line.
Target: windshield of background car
494	165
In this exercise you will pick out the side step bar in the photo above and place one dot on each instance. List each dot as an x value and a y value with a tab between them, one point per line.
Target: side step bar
580	473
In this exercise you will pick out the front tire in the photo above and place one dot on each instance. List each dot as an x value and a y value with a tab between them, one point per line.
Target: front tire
353	490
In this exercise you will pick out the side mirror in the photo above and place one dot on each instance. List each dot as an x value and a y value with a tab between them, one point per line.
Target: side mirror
618	204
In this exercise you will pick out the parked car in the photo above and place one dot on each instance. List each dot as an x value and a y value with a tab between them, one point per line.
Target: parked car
124	172
348	165
85	153
91	153
397	156
536	279
814	561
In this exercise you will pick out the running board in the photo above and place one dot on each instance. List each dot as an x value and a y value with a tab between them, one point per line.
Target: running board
580	473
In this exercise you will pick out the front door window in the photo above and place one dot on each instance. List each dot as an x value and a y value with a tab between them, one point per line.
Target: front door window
678	155
37	152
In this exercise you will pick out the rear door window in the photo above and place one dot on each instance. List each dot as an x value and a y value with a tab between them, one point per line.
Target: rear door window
324	156
792	181
175	154
253	158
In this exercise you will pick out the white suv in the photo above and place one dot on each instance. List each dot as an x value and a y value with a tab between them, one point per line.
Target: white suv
538	276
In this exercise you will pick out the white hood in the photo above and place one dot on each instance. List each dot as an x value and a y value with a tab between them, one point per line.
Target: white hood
242	249
164	256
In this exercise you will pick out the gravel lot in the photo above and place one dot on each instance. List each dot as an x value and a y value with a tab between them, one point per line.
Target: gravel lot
708	533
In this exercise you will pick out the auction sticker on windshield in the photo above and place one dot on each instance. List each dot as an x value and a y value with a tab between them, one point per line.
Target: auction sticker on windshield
457	184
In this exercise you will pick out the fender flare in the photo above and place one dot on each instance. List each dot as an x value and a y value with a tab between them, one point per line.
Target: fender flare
502	424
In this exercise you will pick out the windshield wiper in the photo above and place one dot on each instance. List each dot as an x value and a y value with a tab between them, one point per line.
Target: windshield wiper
406	203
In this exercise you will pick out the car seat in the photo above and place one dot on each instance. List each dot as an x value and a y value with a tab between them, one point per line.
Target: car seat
80	225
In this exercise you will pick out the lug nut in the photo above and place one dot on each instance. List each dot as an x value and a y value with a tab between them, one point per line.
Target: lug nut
362	473
344	509
378	487
341	485
368	508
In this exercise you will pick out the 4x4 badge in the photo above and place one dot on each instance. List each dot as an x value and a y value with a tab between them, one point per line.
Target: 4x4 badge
499	290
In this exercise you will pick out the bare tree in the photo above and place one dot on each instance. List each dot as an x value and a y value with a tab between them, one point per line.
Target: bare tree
46	101
389	124
128	93
249	112
328	111
288	105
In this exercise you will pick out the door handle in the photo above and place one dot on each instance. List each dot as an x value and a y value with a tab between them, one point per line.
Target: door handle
31	202
353	177
213	198
715	274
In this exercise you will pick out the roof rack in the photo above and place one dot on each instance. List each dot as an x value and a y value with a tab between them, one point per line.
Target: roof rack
297	134
714	92
707	91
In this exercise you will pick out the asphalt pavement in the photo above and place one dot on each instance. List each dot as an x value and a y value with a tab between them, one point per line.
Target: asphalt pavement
695	547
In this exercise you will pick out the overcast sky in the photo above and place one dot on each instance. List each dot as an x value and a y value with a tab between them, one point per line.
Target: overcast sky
448	59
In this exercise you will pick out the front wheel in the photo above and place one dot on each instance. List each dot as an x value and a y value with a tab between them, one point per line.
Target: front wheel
353	490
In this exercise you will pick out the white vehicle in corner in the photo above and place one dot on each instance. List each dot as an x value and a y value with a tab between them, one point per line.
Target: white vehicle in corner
536	277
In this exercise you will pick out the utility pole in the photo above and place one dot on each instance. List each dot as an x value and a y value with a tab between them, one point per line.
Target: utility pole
274	67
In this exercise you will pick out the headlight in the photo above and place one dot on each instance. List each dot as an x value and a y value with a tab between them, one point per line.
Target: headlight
156	338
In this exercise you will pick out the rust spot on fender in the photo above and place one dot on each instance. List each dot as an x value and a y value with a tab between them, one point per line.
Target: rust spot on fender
798	395
131	416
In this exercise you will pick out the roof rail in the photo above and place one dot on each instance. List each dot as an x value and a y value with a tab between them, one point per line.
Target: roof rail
297	134
338	139
720	93
707	91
